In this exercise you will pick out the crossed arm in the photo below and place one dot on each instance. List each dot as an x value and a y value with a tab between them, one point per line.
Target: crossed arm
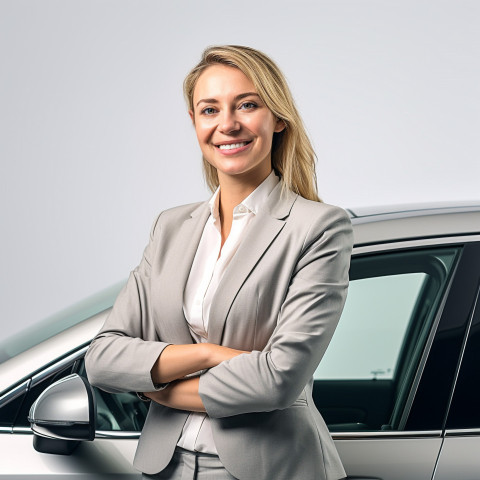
177	361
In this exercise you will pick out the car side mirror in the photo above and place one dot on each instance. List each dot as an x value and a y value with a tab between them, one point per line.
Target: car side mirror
63	415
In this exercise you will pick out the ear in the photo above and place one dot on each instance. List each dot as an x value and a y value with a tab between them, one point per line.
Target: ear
192	116
279	125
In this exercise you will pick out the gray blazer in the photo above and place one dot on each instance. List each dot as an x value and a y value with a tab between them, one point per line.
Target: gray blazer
281	298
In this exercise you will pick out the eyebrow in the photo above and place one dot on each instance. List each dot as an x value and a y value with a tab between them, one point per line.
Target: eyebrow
236	99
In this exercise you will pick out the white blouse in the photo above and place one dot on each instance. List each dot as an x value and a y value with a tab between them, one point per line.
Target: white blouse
210	263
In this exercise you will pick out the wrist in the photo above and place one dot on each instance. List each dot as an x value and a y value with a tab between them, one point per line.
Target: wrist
155	372
207	355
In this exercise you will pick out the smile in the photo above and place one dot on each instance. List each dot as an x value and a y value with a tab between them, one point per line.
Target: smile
232	146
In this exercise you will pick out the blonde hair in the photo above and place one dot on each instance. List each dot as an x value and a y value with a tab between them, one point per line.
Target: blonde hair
293	157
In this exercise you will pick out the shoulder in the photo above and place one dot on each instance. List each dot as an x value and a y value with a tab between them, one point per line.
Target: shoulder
320	221
179	213
174	216
318	212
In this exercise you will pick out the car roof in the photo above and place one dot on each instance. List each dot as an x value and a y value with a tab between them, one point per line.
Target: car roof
394	223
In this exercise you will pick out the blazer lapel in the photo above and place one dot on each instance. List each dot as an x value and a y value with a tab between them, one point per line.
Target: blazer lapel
179	262
262	231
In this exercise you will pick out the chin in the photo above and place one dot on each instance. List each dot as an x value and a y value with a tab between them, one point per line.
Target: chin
236	169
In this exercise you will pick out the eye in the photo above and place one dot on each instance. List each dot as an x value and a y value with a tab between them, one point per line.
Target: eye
208	111
248	106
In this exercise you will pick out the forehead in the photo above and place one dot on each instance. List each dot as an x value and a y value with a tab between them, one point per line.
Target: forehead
219	81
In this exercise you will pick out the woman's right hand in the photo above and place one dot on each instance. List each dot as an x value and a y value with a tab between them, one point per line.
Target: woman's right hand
177	361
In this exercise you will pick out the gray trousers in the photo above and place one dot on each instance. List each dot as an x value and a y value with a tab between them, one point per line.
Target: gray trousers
186	465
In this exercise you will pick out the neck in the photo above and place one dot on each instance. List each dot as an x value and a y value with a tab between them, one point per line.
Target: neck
232	192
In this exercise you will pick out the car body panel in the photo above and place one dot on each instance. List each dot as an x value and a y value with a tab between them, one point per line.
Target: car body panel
389	457
91	460
459	458
390	228
406	209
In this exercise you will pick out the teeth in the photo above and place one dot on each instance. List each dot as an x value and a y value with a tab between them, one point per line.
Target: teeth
231	146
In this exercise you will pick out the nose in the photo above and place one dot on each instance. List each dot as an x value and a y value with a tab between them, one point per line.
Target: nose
228	122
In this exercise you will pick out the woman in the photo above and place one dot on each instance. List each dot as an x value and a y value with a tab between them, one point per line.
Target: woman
235	300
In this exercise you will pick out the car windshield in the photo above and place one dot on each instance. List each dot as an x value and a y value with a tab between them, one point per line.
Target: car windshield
51	326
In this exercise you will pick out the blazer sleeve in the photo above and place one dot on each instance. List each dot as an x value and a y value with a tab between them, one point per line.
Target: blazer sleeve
121	356
274	378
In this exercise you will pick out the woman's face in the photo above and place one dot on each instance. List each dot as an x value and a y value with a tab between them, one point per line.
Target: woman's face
234	127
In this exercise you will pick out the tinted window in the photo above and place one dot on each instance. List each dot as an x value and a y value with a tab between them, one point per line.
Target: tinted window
10	404
373	327
123	412
364	379
465	407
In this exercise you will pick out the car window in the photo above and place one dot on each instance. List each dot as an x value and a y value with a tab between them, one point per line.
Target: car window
364	379
373	327
10	404
465	407
121	412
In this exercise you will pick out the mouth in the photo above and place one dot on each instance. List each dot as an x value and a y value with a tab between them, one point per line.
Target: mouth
233	146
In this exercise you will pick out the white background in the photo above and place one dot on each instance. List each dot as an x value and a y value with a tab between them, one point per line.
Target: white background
95	139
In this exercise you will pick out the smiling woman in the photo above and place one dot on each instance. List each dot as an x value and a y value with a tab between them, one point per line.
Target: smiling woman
234	128
291	151
226	318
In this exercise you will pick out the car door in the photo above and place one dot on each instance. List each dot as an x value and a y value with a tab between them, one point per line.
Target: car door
459	457
383	386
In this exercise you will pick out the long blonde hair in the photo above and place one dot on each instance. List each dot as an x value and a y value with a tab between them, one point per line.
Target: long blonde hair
293	157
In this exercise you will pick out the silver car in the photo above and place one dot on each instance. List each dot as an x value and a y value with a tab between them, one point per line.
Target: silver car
397	386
